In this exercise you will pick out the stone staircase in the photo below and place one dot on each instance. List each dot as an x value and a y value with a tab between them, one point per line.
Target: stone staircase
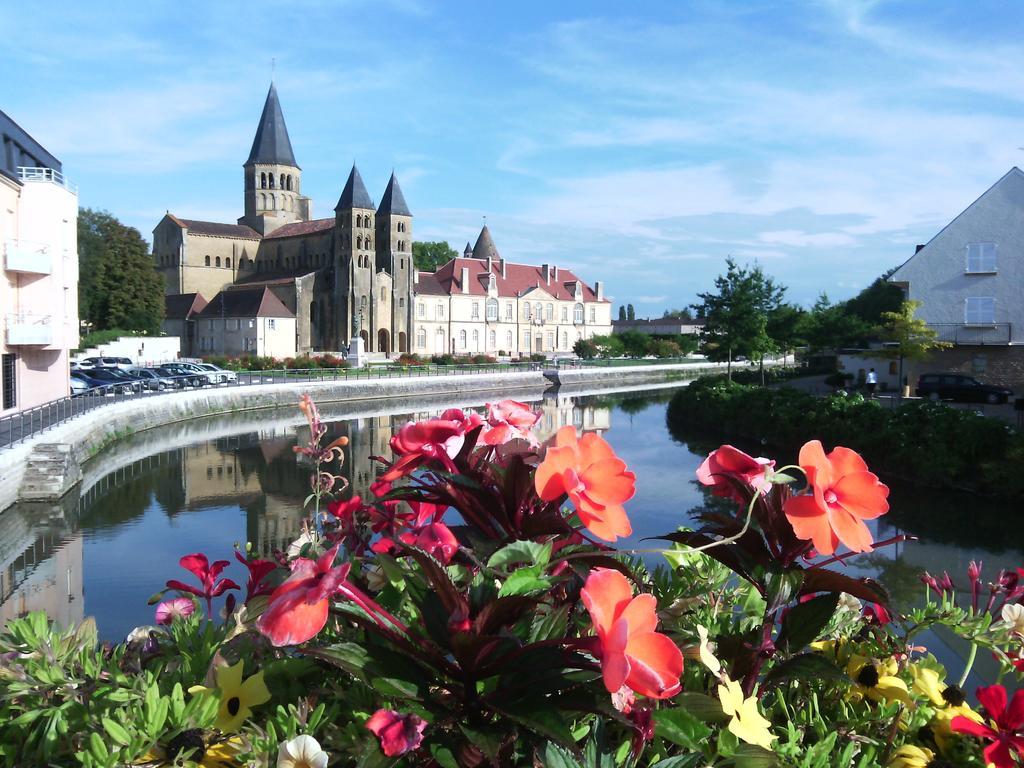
50	472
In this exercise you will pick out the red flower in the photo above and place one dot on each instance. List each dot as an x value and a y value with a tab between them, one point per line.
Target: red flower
436	539
398	734
198	564
631	652
468	420
843	495
509	420
876	613
1007	735
594	478
420	441
726	464
258	571
298	608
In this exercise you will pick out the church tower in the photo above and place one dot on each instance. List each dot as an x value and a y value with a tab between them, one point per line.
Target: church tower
394	255
273	189
355	262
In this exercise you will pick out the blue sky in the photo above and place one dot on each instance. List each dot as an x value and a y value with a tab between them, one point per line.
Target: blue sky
638	143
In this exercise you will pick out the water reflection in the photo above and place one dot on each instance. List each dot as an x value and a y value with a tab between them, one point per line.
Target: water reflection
106	551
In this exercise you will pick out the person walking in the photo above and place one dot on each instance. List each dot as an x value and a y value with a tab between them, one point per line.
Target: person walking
872	383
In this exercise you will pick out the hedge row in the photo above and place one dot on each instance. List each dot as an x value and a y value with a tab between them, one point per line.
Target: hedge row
924	442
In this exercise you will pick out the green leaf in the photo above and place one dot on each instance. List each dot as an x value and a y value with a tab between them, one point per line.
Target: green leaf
805	621
701	706
539	717
752	756
528	552
680	727
97	748
680	761
559	757
116	731
524	581
487	740
550	624
806	666
443	756
781	587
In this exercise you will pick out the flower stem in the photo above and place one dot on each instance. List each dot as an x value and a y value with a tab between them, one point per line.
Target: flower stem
970	663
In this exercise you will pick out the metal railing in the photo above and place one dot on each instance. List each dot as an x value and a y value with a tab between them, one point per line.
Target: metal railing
31	173
18	427
969	335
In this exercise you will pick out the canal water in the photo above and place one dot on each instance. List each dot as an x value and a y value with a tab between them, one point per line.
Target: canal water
204	486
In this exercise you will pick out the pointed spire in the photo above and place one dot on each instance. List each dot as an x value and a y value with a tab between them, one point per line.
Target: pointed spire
272	144
393	201
354	195
468	253
484	247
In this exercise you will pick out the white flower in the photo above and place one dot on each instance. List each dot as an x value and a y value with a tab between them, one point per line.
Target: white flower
1013	618
301	752
849	603
707	657
141	634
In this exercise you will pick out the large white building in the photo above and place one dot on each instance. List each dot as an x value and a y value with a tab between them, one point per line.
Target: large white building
39	288
970	280
480	303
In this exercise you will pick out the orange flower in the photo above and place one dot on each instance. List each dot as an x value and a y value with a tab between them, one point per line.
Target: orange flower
843	495
594	478
632	653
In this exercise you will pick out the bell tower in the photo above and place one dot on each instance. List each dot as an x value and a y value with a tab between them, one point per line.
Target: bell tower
273	180
394	254
355	262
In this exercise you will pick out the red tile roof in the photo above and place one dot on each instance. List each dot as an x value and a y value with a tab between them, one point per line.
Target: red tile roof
301	228
215	228
518	279
246	302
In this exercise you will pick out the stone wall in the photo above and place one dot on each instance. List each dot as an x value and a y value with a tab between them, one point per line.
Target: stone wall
1001	365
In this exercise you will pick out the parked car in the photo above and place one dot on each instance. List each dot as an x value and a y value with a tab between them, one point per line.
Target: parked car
222	375
960	388
196	368
116	376
96	380
78	384
182	375
107	362
151	379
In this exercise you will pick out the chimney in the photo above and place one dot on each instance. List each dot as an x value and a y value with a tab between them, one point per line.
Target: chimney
599	290
465	279
545	272
554	273
919	247
415	277
502	269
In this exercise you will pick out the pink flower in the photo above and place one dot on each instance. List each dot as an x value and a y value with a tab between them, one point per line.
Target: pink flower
258	572
509	420
421	441
436	539
175	608
723	467
468	420
398	734
198	564
299	607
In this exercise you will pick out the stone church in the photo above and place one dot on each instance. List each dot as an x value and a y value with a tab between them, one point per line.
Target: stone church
347	274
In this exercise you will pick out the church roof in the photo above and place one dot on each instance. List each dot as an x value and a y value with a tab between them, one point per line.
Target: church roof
246	302
302	228
272	144
216	228
519	280
354	195
485	245
393	200
180	306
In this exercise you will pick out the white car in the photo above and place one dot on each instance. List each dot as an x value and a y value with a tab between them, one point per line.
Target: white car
222	375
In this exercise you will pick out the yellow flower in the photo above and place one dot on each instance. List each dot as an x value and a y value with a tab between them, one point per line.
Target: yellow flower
876	680
203	752
707	658
838	650
237	698
909	756
746	724
940	725
949	702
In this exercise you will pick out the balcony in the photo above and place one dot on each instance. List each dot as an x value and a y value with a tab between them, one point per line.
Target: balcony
26	256
29	330
982	334
47	175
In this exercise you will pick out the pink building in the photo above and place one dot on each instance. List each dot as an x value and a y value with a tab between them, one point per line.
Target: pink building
39	287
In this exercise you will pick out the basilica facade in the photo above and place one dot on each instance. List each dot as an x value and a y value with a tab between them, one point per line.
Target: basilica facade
346	275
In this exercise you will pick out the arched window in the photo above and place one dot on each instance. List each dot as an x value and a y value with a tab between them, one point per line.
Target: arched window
289	182
359	219
282	181
508	342
263	181
362	302
270	199
462	339
207	260
263	202
551	312
312	311
492	310
421	338
383	294
270	180
440	311
577	314
526	311
492	340
227	262
538	311
359	242
476	341
368	243
565	340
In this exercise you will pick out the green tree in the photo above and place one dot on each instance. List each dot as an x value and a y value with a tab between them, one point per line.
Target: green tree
829	327
118	286
428	256
634	343
784	326
630	312
909	337
736	314
585	348
664	348
622	312
684	315
875	300
608	346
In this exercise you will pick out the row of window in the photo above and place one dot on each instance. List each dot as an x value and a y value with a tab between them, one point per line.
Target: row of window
545	342
267	181
364	221
268	202
368	242
536	311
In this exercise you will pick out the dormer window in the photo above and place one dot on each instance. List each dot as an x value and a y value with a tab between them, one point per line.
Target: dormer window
981	258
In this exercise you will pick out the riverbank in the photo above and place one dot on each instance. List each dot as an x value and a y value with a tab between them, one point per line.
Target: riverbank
923	442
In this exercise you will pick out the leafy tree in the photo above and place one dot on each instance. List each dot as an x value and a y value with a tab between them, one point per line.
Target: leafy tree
630	312
664	348
609	346
829	327
428	256
585	348
684	315
736	313
875	300
118	286
634	343
622	312
784	326
909	337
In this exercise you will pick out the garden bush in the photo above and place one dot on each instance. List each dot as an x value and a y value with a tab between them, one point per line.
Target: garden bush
475	610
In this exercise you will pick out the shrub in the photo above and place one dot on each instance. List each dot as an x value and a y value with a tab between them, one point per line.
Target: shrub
445	359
